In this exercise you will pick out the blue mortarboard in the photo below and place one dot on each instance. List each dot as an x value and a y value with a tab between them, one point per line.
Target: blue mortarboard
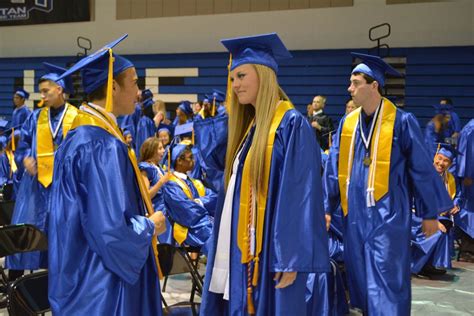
441	109
147	103
22	93
219	95
127	130
3	124
448	151
375	67
176	151
263	49
185	106
95	69
53	74
206	99
164	128
147	94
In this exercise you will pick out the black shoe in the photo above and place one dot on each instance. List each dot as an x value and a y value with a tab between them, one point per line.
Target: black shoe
428	270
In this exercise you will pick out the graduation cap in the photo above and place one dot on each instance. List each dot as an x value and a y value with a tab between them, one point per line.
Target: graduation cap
179	131
264	49
147	94
165	128
100	68
3	124
375	67
441	109
185	106
447	150
22	93
53	74
147	103
127	130
218	95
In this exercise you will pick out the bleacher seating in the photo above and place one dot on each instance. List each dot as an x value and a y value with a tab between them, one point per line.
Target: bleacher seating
431	73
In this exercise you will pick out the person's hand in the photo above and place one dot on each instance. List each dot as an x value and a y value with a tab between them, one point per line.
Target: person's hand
30	165
328	221
454	210
158	118
165	178
441	227
285	279
160	222
316	125
429	227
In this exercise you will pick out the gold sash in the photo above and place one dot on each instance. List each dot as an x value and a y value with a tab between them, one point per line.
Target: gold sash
83	119
45	143
379	172
243	238
450	183
180	233
11	160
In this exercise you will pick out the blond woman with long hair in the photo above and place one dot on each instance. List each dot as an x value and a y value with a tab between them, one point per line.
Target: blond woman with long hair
270	232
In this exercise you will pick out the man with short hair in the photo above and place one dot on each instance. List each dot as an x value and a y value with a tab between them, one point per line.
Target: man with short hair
21	111
188	202
102	226
321	122
376	163
41	134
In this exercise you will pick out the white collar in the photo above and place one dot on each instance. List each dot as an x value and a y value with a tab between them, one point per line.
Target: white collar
317	112
180	175
98	107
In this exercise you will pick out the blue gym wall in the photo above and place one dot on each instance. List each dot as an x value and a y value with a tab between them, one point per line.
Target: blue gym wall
431	73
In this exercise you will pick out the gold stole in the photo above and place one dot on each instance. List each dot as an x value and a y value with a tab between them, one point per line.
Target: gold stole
379	172
11	160
243	238
84	119
45	143
450	183
180	233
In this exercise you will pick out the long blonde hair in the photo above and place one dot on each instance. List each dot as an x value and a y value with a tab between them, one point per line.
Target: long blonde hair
242	115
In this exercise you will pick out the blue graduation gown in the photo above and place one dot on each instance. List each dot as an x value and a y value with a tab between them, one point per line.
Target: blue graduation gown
131	121
377	239
211	139
465	169
145	129
31	206
294	237
20	115
100	256
4	170
188	213
154	174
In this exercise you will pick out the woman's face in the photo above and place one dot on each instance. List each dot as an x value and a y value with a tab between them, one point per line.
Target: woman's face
164	137
245	83
160	152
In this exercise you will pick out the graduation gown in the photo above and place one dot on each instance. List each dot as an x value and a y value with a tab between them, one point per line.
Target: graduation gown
131	121
31	206
189	213
377	239
100	256
4	170
154	174
294	236
465	169
145	128
20	115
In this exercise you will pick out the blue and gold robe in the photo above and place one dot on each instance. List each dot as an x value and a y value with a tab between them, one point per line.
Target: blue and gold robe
101	260
377	239
294	236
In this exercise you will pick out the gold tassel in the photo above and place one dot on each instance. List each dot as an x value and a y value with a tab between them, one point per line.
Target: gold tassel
13	140
437	151
109	104
228	97
192	137
255	271
213	106
250	305
330	139
169	159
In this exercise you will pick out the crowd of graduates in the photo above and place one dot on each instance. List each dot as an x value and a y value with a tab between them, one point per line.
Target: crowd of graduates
105	180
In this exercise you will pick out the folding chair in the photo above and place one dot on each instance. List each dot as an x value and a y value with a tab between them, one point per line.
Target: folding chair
23	238
176	260
28	295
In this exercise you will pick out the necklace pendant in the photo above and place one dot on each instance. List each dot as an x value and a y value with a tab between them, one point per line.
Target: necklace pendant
367	161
